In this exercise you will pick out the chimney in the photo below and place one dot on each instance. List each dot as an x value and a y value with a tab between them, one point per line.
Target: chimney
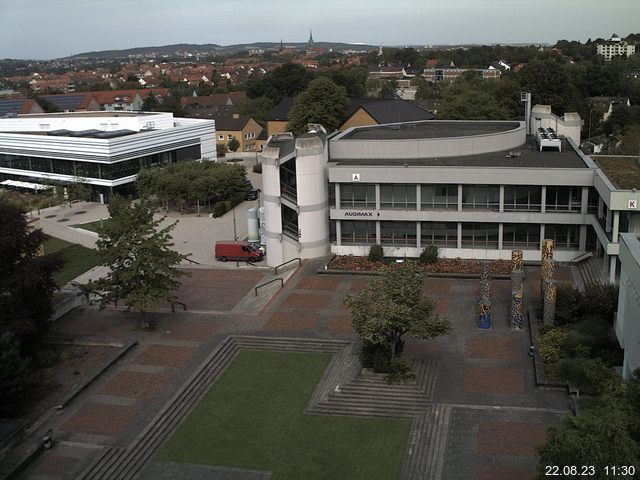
236	116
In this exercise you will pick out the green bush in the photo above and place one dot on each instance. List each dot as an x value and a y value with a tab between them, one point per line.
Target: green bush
550	345
591	375
399	371
257	168
376	253
601	299
568	301
220	208
429	255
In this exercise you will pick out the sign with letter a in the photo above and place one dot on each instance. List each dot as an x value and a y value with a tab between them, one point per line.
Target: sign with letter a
355	177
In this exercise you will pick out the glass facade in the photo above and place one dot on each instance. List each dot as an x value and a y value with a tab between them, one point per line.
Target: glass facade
480	197
522	198
521	235
564	236
400	196
480	235
357	195
443	234
398	233
98	170
353	232
288	181
439	197
563	199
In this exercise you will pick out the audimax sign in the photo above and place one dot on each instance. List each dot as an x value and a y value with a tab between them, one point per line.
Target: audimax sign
359	213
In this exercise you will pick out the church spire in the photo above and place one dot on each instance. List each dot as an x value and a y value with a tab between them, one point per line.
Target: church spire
310	42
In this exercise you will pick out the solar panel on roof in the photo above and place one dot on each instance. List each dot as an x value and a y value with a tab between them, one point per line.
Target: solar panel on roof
10	106
66	102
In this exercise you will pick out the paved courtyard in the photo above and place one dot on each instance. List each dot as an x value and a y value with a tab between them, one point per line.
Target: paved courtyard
497	414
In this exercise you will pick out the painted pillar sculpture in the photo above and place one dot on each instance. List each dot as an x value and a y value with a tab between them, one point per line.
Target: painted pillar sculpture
517	289
484	307
549	308
547	266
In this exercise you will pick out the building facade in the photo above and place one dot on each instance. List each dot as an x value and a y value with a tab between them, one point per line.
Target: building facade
627	324
615	47
104	150
474	189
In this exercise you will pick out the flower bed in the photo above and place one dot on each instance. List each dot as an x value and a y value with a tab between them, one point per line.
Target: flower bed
443	265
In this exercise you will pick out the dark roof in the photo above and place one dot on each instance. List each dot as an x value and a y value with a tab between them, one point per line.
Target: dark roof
396	110
280	112
436	129
286	146
229	123
529	156
11	106
67	101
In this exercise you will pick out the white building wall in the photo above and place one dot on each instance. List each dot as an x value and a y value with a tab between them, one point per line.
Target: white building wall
271	202
311	179
627	323
569	125
77	121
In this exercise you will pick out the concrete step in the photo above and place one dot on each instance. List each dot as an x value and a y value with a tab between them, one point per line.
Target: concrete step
352	411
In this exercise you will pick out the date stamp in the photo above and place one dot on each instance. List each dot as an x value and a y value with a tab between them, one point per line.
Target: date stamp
575	471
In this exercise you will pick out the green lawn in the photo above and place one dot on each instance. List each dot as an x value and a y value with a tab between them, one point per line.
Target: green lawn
77	259
93	226
253	418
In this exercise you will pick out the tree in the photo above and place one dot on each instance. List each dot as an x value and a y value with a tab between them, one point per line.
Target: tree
468	98
143	269
151	103
288	80
548	83
233	144
354	79
322	102
388	89
15	375
390	307
257	108
221	149
26	282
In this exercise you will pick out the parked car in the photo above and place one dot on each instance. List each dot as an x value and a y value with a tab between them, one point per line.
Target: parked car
253	194
238	250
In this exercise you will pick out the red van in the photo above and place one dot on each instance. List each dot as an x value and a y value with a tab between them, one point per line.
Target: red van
238	251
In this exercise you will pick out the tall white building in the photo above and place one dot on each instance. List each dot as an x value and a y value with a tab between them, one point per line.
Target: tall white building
615	47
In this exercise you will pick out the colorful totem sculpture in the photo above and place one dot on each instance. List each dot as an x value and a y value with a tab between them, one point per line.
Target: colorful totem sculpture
517	289
484	306
549	306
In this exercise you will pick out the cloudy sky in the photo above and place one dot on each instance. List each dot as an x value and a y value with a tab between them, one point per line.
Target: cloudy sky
55	28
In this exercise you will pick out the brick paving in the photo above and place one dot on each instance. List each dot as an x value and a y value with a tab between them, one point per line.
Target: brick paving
494	380
101	419
510	438
135	384
486	379
164	356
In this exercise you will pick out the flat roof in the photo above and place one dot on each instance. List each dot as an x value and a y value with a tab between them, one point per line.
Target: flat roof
428	129
624	172
90	114
527	155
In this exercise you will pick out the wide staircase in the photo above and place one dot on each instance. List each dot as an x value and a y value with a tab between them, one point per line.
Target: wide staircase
344	389
591	272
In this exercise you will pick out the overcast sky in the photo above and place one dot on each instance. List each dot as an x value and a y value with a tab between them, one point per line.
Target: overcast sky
55	28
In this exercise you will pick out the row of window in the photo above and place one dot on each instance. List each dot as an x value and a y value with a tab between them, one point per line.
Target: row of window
474	197
247	136
474	235
105	171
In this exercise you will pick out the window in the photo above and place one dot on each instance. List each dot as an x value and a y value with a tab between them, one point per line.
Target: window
480	235
563	236
398	196
563	199
357	195
398	233
220	137
353	232
521	235
441	234
229	137
522	199
480	197
439	197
